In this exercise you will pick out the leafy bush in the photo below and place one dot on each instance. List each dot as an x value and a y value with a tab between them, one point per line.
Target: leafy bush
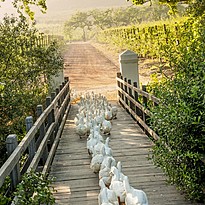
34	189
180	117
25	69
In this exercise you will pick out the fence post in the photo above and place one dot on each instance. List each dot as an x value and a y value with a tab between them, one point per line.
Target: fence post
144	103
125	89
50	118
42	134
131	95
11	144
32	145
129	66
119	95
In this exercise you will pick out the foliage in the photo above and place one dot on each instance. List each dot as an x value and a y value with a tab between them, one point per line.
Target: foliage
109	18
4	200
34	189
179	119
79	20
25	69
152	40
171	3
25	6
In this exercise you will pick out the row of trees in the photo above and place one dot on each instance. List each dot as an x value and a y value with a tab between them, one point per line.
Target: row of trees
88	23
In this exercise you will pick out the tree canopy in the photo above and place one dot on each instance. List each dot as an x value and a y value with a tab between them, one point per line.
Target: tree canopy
25	6
196	7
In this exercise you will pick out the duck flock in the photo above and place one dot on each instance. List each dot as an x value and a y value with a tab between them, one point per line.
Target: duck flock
94	120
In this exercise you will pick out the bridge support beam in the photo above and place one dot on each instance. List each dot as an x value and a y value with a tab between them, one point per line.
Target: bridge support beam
129	66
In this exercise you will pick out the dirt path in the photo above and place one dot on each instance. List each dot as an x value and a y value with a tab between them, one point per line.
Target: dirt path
88	69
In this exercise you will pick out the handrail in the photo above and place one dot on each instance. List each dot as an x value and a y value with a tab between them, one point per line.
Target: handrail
58	106
141	92
128	97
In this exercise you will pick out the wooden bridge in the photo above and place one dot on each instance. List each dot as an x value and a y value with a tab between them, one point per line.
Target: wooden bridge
65	155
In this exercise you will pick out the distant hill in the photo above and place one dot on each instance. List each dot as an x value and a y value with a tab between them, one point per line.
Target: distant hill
62	9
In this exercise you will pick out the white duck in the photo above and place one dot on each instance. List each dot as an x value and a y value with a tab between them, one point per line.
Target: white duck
134	196
114	112
98	147
108	114
105	162
109	194
116	185
97	161
91	142
81	128
104	173
106	126
108	150
103	199
119	167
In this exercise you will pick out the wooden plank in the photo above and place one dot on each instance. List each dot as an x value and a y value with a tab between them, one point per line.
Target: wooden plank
77	184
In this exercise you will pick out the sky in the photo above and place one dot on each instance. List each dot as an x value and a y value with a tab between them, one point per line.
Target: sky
57	6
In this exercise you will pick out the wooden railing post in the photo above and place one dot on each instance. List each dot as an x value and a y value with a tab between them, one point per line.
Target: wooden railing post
131	105
122	87
137	110
42	134
11	144
144	103
50	118
32	145
125	89
119	95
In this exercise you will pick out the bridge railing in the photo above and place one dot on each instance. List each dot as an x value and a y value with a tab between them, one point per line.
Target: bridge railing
37	148
136	101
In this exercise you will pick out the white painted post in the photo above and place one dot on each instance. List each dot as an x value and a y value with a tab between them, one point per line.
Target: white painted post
129	66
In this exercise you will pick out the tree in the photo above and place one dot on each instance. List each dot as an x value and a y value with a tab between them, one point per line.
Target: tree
102	19
196	7
80	20
25	6
171	3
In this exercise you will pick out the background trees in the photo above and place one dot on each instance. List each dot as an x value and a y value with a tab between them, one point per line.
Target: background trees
96	20
26	65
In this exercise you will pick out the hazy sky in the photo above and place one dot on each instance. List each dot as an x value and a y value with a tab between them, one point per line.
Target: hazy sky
66	5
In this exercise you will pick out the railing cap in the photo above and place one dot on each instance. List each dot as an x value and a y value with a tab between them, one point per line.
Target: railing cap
128	55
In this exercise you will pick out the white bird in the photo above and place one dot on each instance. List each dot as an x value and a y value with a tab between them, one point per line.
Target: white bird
81	128
105	161
134	196
104	173
91	142
106	126
114	112
109	194
116	185
97	161
119	167
98	147
103	199
108	150
108	114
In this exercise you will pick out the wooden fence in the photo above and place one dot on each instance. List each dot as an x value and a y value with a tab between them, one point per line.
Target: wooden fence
37	148
136	101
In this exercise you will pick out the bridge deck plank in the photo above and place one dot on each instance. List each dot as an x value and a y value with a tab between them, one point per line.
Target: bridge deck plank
76	184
